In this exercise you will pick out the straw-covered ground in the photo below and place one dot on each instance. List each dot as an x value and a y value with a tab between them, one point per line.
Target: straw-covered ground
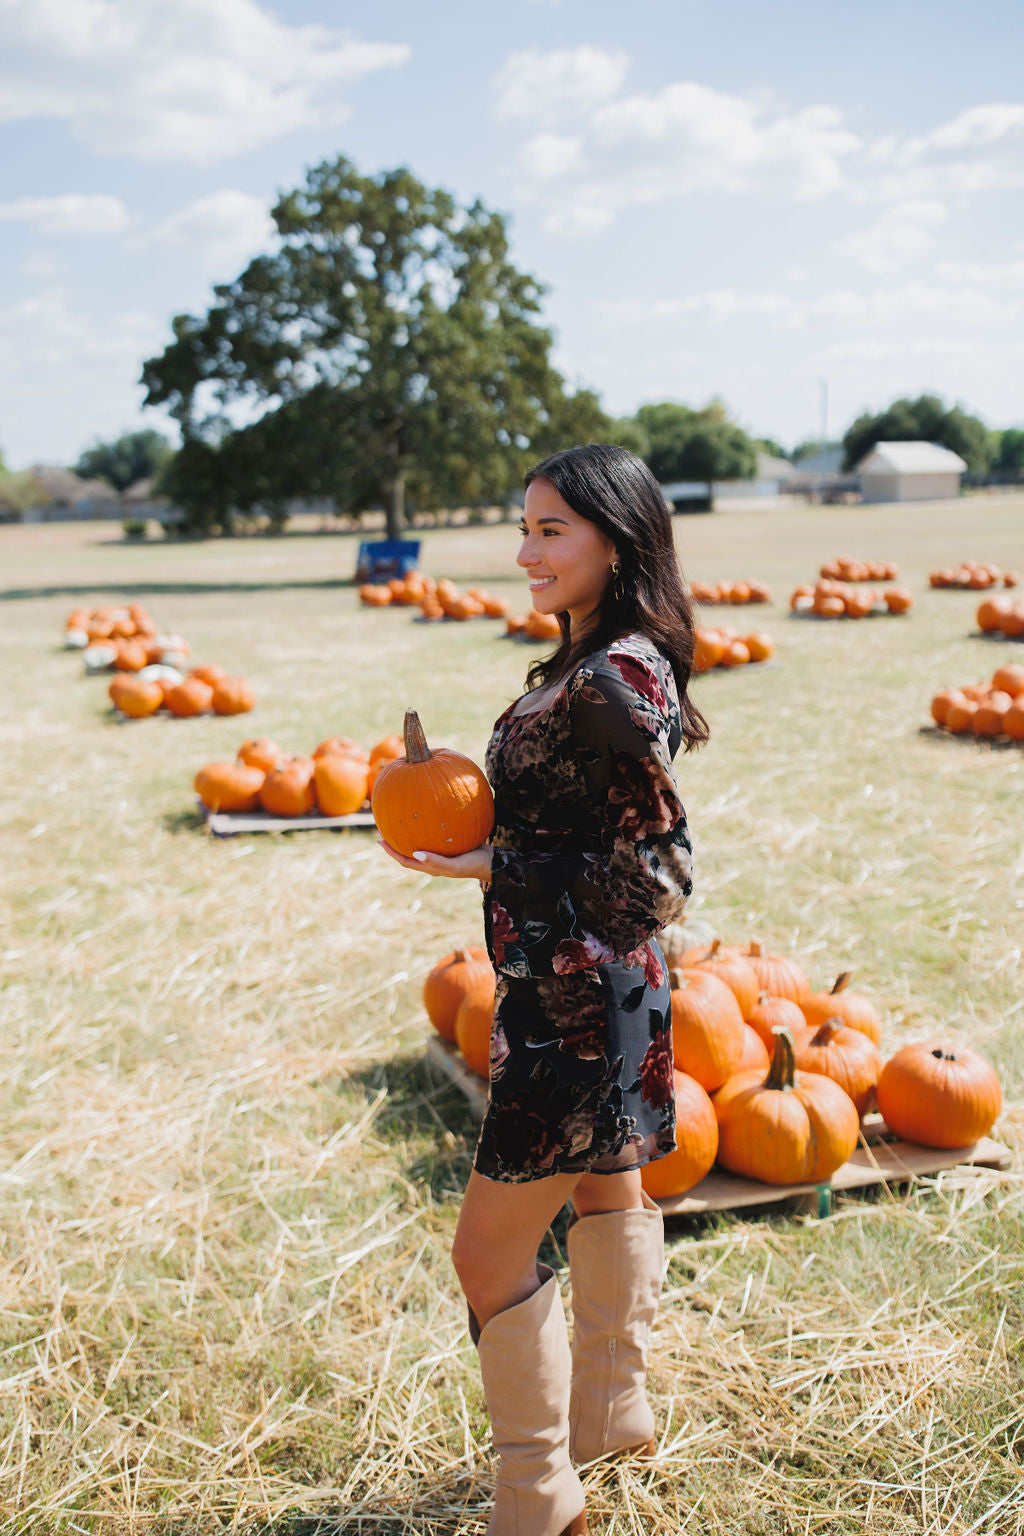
228	1182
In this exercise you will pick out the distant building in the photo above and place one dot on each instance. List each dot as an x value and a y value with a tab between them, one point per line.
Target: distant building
910	472
820	476
771	478
65	496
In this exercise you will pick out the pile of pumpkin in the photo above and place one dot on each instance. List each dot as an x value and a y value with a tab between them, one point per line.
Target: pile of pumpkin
723	647
337	779
435	599
772	1079
121	639
533	626
730	592
972	577
831	599
203	690
1001	616
848	569
984	709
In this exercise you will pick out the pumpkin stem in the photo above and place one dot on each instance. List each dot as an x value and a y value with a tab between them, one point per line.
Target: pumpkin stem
416	749
941	1055
764	997
462	957
827	1032
780	1073
677	979
841	981
756	948
712	953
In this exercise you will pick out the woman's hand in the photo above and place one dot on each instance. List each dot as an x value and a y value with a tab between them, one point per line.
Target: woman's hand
474	865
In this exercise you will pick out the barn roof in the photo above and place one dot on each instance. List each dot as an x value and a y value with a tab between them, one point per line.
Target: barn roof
912	459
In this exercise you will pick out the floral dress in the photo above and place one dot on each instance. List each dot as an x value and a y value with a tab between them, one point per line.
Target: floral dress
591	858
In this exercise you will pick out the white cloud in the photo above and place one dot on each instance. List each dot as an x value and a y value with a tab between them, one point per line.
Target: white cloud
549	87
683	140
69	213
222	230
903	234
979	150
66	377
192	80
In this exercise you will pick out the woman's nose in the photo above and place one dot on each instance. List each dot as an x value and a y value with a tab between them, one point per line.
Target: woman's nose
526	555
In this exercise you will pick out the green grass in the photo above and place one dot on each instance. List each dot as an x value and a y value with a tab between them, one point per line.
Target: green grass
228	1182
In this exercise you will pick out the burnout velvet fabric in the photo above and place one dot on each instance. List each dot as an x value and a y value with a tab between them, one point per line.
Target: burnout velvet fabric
591	858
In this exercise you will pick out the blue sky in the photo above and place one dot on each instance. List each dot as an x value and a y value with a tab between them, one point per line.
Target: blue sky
734	199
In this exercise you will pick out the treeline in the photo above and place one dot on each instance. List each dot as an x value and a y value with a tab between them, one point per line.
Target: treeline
389	354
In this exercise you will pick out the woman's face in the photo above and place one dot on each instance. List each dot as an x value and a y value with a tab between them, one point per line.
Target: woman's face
567	559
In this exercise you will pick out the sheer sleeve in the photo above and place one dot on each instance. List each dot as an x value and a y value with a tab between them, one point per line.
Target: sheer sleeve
550	914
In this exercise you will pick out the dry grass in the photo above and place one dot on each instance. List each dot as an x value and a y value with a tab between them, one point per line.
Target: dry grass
228	1184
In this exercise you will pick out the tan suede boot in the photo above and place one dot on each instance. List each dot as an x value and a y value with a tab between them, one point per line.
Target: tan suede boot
525	1364
615	1264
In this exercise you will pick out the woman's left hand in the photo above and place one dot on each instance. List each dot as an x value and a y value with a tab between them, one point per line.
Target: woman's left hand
474	865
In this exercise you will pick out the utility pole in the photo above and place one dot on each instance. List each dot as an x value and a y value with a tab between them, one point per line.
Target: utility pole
823	386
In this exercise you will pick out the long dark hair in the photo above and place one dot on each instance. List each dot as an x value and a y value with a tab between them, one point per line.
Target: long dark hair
616	492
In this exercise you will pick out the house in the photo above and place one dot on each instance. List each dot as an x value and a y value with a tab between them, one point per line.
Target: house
771	478
65	496
910	472
820	477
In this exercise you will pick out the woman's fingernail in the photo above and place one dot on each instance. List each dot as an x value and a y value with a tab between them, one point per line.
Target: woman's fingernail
420	856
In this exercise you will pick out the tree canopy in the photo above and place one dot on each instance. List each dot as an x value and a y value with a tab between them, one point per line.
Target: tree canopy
927	420
1009	451
684	444
387	349
133	456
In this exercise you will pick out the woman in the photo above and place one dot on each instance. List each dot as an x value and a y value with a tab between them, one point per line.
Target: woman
588	860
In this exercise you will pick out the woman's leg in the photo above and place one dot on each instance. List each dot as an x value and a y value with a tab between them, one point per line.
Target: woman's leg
500	1228
616	1255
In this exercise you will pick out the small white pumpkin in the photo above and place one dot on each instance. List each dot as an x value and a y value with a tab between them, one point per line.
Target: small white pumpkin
98	658
691	933
161	673
75	639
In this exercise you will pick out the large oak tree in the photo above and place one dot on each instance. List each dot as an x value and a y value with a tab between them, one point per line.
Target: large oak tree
387	349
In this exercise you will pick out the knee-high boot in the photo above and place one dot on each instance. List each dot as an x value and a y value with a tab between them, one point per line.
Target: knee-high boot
616	1259
525	1365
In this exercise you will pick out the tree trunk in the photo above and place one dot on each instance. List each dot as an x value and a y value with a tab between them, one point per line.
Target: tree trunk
395	508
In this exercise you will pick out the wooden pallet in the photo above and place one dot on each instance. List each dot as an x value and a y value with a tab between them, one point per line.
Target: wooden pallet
231	823
881	1158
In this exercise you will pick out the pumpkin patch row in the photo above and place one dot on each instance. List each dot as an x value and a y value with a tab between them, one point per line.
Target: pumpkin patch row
1001	616
435	599
770	1084
848	569
336	779
830	599
122	639
204	690
993	709
972	577
709	592
723	647
84	626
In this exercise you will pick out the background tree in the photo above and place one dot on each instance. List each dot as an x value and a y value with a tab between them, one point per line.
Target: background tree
130	457
925	419
388	348
695	445
1008	451
769	445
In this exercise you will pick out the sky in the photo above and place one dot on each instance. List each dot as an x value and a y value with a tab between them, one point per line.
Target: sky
803	209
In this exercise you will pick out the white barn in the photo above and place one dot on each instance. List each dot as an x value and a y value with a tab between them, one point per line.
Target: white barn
910	472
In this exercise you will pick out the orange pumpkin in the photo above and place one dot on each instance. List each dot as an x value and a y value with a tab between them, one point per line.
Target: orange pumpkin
786	1128
959	714
776	974
288	789
772	1013
708	649
211	673
232	696
191	697
760	646
991	612
941	704
939	1095
696	1143
729	967
341	744
899	600
473	1023
1009	679
229	786
436	799
1013	720
130	655
454	975
707	1027
855	1011
135	696
735	654
260	752
845	1055
755	1057
542	626
340	783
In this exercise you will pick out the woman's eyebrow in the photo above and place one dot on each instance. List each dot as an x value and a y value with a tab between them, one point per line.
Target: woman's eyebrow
542	520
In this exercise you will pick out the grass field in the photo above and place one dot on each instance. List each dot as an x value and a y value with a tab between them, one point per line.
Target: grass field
228	1184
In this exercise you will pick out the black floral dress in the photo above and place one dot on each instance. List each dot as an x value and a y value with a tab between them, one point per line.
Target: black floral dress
591	859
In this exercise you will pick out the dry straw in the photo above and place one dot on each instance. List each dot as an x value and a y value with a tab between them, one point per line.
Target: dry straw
228	1184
